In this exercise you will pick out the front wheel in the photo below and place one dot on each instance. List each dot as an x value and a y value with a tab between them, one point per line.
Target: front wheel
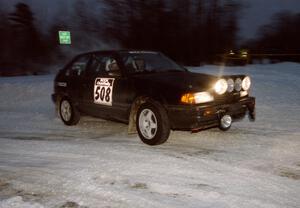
152	124
68	112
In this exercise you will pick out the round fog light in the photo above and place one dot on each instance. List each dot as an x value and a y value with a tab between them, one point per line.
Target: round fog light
225	122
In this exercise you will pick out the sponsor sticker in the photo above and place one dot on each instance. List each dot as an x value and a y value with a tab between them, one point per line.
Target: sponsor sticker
103	91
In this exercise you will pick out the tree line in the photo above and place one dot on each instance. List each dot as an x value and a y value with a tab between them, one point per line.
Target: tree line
279	38
191	31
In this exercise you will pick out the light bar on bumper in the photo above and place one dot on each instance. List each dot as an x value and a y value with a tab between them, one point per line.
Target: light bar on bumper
238	84
246	83
221	86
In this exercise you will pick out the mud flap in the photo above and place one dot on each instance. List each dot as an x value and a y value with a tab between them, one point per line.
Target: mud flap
251	112
252	115
132	117
132	125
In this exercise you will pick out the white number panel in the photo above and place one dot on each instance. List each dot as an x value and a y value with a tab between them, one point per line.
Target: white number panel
103	91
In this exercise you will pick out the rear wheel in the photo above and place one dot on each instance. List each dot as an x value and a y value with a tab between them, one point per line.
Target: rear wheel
152	123
68	112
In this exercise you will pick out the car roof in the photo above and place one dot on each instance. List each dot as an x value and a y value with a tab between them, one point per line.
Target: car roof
118	51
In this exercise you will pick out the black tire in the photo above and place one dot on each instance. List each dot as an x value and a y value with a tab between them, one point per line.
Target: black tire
162	131
74	116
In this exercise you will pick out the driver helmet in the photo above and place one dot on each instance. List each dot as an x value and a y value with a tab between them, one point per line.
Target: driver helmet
108	63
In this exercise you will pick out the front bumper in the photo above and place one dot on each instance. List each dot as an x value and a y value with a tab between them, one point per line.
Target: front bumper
195	118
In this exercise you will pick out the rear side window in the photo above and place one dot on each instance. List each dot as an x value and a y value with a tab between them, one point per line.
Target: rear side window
78	66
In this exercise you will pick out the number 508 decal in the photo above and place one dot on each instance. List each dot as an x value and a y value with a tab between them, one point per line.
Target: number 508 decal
103	90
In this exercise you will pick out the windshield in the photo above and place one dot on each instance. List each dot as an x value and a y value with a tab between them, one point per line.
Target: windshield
139	62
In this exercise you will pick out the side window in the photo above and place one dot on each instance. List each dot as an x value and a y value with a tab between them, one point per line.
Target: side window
134	64
78	66
105	65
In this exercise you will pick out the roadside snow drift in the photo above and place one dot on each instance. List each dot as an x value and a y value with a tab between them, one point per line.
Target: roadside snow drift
96	164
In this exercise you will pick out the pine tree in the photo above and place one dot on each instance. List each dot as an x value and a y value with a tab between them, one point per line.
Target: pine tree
26	40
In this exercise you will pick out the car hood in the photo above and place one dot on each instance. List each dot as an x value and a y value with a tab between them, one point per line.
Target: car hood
180	81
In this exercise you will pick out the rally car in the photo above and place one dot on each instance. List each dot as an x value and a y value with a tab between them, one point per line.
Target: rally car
149	92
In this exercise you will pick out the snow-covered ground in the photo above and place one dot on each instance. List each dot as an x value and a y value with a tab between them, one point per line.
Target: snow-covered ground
96	164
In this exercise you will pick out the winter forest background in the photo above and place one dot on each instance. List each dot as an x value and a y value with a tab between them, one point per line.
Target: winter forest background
192	32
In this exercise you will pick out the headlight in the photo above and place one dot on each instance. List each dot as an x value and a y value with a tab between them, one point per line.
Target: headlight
230	83
238	84
246	84
196	98
221	86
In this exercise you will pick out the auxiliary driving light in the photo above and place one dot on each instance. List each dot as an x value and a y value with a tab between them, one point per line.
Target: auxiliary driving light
225	122
221	86
246	84
230	83
238	84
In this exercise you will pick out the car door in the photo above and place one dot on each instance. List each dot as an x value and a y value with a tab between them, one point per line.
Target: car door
75	74
107	88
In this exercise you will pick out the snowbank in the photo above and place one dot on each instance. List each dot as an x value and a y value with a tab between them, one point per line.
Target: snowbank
96	164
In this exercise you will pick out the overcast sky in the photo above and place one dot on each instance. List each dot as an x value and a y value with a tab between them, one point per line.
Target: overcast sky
255	14
260	12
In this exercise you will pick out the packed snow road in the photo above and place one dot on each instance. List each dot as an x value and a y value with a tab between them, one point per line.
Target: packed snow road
96	164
